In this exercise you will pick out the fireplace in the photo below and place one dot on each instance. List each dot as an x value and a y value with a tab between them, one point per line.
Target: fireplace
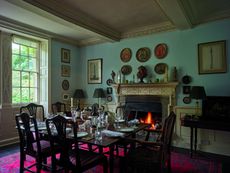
140	99
139	107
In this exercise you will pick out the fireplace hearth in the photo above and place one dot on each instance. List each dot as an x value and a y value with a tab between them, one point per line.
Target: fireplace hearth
138	107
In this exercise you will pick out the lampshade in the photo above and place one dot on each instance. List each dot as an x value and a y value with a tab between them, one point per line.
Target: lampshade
99	93
79	94
198	92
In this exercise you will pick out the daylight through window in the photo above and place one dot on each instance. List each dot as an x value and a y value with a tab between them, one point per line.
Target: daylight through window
25	70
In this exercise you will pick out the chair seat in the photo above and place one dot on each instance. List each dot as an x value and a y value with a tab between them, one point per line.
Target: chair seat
143	156
87	158
149	156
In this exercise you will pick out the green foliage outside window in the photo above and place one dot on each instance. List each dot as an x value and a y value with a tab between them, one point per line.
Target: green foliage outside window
24	71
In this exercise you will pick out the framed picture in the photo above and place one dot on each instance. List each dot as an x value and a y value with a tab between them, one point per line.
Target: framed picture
65	70
186	89
212	57
65	55
65	97
95	71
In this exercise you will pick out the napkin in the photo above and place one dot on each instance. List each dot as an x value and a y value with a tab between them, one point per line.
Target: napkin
110	133
133	122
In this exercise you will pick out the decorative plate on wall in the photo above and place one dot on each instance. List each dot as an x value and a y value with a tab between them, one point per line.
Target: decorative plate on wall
187	100
161	50
109	82
160	68
65	84
126	54
143	54
126	69
186	79
109	98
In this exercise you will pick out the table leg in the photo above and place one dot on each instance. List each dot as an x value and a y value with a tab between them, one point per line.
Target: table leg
191	141
111	158
195	146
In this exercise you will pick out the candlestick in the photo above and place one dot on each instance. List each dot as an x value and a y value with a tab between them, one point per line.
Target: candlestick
71	102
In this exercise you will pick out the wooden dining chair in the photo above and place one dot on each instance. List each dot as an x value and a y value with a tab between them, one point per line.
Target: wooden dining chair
58	107
149	156
122	144
72	157
35	110
30	142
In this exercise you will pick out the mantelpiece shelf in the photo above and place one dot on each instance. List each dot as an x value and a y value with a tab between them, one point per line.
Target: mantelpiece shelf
155	89
146	88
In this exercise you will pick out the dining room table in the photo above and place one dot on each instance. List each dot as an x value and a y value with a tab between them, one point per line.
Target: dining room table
110	136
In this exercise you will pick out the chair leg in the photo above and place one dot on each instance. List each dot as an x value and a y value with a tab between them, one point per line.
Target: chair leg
105	166
117	150
22	158
53	164
39	164
125	150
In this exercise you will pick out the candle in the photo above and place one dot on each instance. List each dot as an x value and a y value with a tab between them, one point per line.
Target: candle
71	102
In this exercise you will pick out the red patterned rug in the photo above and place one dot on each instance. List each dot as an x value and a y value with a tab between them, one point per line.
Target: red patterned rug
181	163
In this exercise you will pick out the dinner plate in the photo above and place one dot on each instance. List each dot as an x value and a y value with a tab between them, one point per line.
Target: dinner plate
68	118
79	134
119	121
110	133
68	130
42	128
126	129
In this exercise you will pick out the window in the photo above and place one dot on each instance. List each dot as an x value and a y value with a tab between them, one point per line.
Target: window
25	70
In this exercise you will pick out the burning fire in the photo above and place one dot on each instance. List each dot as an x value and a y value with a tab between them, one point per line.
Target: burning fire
148	120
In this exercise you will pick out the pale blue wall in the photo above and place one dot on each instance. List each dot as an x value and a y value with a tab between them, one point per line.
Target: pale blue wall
182	53
56	79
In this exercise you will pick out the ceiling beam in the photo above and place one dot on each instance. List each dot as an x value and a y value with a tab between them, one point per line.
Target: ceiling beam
175	12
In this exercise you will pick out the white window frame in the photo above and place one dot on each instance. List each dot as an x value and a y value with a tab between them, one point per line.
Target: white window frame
38	59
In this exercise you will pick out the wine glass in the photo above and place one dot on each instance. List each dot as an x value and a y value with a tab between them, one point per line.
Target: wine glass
118	118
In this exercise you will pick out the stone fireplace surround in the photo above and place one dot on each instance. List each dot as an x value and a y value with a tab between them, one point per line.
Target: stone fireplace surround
164	92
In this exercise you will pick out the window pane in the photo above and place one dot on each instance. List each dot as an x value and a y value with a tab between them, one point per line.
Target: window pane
24	63
15	48
32	64
16	62
25	79
25	95
32	52
33	80
24	50
16	79
16	95
33	94
25	70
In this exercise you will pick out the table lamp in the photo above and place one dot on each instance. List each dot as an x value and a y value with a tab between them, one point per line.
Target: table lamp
198	93
99	93
79	94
